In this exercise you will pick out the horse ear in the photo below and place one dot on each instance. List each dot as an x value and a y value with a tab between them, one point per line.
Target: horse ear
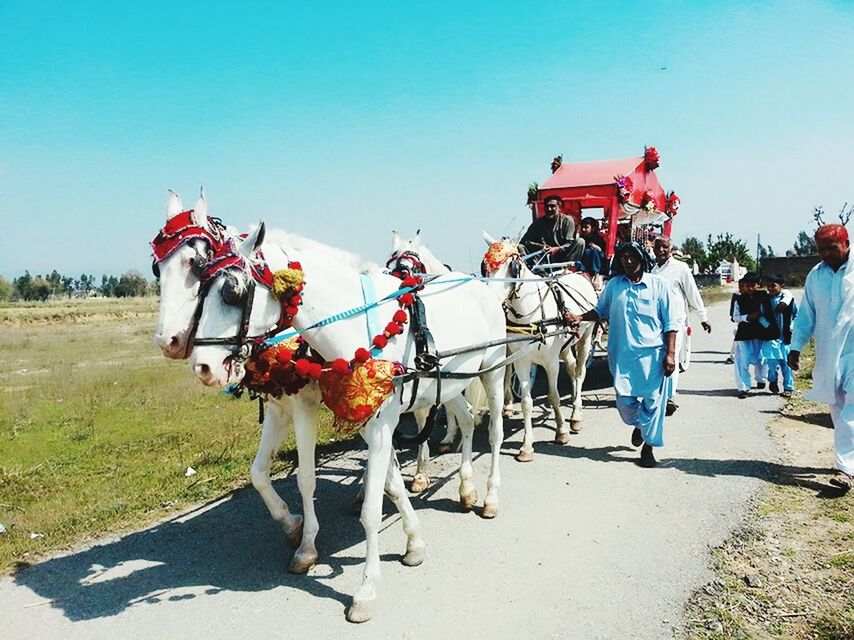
395	240
518	237
253	241
173	204
488	239
200	210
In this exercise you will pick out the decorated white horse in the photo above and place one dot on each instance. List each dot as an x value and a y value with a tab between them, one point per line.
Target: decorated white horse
536	304
181	250
467	326
412	256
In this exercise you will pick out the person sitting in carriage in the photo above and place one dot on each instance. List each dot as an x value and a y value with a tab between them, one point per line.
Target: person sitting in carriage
554	235
593	260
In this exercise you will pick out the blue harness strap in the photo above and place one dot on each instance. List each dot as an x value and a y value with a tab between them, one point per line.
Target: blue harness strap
372	319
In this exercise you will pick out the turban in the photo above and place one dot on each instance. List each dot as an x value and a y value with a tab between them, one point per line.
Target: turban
645	259
832	232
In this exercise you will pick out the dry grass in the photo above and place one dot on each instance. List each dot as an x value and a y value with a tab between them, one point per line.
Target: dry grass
97	428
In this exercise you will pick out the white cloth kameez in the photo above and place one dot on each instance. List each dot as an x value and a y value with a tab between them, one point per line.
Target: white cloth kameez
827	314
686	298
639	316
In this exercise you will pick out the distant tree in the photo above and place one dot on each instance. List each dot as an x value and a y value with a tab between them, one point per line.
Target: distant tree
724	248
22	287
766	252
67	286
132	283
6	289
805	245
40	289
109	286
694	247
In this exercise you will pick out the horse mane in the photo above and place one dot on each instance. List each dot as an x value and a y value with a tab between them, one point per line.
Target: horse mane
333	254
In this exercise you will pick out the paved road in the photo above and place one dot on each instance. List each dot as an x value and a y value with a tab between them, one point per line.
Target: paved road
587	544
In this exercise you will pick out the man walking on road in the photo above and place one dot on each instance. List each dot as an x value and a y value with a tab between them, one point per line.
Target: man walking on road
827	314
641	344
686	298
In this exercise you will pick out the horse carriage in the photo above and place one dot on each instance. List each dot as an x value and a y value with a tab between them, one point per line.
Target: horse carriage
371	344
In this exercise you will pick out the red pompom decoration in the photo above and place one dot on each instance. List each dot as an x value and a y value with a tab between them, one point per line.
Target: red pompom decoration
407	299
362	355
291	311
314	370
393	329
400	316
296	300
286	355
295	265
340	365
380	342
302	367
410	281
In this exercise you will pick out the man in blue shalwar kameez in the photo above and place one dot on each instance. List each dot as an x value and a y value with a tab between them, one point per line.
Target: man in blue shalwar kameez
641	344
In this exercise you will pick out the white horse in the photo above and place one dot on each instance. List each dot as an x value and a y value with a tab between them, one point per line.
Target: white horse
179	274
534	300
420	257
459	314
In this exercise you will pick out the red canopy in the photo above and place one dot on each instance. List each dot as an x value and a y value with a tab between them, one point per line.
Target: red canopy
583	185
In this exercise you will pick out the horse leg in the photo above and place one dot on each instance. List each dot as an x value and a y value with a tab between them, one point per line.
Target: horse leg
459	409
420	481
276	417
523	373
306	405
492	383
377	434
578	373
508	393
447	443
561	430
395	490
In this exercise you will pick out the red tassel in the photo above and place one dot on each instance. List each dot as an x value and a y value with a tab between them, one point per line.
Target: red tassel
302	367
380	342
340	365
362	355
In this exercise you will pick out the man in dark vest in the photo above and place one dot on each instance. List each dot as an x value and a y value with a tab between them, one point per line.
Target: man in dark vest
554	233
757	327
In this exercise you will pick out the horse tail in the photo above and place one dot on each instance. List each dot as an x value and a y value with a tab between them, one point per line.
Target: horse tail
476	396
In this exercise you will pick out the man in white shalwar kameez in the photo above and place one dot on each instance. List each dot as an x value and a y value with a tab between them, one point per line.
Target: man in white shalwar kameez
686	298
827	314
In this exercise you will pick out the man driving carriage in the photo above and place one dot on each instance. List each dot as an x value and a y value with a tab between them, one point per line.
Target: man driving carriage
554	234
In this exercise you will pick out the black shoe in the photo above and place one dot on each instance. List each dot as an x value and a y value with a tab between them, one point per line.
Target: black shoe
637	438
742	395
647	460
760	385
773	387
671	408
729	360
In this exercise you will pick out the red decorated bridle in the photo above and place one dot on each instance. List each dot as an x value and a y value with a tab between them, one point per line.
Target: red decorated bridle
181	229
403	264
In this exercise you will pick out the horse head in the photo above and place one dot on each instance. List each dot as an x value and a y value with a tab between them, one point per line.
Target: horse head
412	256
501	263
234	312
181	249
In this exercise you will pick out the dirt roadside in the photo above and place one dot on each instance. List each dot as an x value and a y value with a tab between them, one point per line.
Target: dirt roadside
789	572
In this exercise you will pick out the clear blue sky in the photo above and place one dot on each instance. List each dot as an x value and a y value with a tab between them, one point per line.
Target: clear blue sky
344	121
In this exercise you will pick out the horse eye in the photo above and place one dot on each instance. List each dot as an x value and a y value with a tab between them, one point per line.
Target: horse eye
232	291
197	266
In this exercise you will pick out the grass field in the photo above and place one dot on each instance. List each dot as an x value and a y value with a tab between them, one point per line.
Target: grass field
97	428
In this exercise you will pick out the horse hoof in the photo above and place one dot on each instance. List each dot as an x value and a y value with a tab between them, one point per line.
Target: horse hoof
576	425
489	511
525	455
294	536
469	500
302	562
444	447
360	611
562	437
419	483
414	557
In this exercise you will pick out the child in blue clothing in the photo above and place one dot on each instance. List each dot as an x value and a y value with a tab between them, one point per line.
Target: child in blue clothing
785	311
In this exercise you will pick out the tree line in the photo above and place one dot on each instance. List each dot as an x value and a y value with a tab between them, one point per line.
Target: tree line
55	285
